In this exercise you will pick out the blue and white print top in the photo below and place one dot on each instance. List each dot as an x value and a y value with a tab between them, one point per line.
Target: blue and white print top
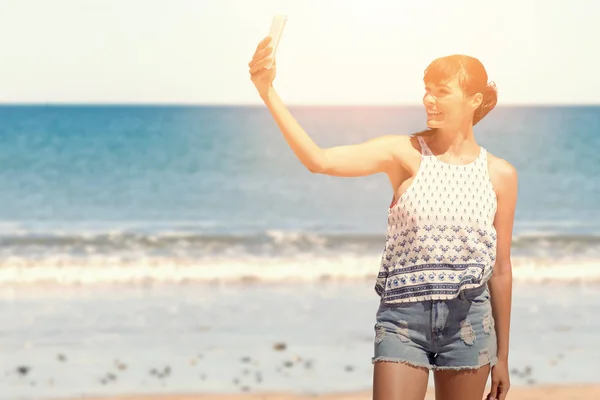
440	238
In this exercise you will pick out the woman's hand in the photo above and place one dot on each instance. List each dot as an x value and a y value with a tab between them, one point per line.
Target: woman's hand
500	381
259	74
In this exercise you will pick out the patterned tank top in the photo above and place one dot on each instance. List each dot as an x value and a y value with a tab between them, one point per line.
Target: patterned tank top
440	237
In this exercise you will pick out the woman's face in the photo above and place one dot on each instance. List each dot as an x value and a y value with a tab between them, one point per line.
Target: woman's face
447	106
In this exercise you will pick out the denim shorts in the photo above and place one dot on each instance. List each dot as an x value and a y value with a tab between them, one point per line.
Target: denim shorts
438	334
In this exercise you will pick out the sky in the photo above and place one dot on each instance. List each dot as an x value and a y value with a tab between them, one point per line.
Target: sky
363	52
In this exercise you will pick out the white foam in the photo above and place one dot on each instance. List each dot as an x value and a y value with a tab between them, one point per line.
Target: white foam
539	270
288	237
115	270
142	269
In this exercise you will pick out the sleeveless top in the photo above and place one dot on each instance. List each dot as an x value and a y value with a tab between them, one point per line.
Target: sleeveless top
440	237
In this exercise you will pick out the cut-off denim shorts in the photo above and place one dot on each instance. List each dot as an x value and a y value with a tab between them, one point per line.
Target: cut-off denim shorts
438	334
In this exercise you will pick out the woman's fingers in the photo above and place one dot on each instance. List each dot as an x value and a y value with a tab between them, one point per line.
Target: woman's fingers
260	64
263	43
267	51
260	55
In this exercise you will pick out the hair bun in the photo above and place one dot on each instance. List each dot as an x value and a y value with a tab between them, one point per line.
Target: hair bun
491	88
490	98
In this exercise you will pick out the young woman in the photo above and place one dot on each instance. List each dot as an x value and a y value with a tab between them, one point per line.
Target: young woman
445	279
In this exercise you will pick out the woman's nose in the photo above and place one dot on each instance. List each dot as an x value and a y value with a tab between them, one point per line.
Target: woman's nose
428	100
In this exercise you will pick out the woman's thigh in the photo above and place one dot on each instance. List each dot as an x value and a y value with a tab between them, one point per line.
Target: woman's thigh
399	381
468	384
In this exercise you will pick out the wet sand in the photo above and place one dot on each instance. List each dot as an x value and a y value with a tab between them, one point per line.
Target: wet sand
95	343
547	392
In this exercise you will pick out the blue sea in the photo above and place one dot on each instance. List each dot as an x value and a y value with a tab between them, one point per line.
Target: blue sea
171	249
119	194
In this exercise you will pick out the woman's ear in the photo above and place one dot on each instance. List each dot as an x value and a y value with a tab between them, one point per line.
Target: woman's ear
476	100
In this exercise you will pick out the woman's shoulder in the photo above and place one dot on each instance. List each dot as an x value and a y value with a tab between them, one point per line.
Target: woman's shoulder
502	173
406	151
401	144
500	165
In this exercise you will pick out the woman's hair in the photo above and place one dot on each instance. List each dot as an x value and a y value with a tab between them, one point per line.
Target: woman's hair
472	78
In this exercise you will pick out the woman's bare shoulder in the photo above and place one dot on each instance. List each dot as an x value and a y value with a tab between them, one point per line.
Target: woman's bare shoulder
500	165
502	173
405	151
398	142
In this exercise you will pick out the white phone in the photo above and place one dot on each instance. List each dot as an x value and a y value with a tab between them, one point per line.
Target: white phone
275	32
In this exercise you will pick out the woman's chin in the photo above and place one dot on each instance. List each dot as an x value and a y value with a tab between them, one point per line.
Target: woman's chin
436	121
431	123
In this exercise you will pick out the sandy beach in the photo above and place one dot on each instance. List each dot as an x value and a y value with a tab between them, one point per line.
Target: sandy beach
94	344
567	392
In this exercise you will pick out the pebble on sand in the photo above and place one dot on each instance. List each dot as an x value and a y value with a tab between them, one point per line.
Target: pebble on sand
280	346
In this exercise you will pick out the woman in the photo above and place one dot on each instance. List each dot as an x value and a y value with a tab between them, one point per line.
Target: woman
445	279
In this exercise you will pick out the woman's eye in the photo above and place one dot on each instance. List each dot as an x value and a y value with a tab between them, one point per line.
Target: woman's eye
442	92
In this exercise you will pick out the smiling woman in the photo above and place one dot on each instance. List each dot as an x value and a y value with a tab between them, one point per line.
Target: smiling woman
440	309
447	81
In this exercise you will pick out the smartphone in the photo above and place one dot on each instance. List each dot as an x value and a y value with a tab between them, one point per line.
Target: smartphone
275	32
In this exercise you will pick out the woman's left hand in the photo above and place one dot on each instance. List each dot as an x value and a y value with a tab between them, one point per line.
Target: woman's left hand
500	381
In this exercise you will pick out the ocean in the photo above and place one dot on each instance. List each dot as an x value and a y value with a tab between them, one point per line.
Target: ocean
121	194
171	249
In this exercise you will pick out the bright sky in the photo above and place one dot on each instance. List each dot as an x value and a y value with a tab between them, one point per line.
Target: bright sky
332	51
